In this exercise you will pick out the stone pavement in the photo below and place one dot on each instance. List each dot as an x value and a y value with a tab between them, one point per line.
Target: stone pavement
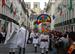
29	49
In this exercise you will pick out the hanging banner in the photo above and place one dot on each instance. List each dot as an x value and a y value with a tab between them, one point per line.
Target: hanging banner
8	3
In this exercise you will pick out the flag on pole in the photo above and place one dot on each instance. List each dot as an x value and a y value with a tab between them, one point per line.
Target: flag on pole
3	6
14	12
11	8
70	7
3	3
61	13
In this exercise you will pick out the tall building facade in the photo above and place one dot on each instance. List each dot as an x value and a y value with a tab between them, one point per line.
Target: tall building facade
51	10
36	4
12	11
28	5
36	8
66	16
64	11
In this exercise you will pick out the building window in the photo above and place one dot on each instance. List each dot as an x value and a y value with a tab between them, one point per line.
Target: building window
67	15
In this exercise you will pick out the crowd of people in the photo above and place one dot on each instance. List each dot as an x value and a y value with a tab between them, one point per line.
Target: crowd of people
54	42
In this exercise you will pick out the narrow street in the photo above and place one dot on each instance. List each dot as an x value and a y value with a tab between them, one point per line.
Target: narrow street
3	49
47	23
29	49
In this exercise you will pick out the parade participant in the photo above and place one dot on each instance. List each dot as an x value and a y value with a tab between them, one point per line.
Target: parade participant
31	36
35	41
22	38
44	43
11	37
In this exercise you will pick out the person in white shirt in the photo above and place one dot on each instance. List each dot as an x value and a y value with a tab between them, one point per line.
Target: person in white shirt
11	38
31	36
35	41
44	43
22	38
64	43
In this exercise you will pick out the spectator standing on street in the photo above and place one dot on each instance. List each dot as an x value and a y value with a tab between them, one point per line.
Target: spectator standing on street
63	43
50	42
53	41
3	33
1	36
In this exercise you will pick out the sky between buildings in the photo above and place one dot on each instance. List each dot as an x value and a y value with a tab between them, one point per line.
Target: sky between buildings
42	4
